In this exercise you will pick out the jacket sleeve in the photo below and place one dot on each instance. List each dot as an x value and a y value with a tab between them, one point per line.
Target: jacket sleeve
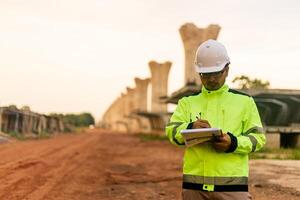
253	138
179	121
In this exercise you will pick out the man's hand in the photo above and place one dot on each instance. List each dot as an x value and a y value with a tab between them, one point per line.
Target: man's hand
222	143
201	123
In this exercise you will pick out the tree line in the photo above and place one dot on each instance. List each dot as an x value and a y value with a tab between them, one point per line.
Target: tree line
77	120
244	82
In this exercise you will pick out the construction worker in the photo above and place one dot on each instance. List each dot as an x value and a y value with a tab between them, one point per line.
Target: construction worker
217	169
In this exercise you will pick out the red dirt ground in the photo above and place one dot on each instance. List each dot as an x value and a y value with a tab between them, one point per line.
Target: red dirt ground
103	165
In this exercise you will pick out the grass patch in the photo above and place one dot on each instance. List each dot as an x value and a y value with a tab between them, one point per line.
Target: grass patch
81	129
16	135
152	137
20	136
43	135
278	154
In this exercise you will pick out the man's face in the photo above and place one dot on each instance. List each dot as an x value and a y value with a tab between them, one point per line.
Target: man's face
215	80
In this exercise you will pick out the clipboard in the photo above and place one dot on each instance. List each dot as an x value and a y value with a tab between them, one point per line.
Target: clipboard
197	136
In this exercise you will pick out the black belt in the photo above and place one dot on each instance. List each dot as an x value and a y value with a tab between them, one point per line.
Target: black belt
217	188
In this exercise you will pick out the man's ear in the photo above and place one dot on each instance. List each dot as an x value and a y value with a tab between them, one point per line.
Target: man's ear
226	71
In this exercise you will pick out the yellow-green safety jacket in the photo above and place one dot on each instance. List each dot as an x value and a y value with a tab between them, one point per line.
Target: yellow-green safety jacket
236	114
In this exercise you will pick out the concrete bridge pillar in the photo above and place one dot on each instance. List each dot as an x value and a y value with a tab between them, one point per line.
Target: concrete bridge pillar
132	106
192	37
131	100
121	120
159	81
114	113
141	93
142	102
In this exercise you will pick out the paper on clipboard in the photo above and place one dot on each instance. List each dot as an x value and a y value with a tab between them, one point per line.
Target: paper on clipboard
201	132
197	136
193	142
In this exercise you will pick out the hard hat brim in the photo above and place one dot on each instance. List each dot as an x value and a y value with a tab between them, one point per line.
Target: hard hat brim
210	69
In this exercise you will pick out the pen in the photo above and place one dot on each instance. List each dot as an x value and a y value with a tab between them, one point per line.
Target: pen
199	116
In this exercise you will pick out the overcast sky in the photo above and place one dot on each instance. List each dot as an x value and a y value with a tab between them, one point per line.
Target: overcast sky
79	55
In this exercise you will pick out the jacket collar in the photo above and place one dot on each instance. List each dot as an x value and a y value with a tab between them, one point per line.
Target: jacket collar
221	90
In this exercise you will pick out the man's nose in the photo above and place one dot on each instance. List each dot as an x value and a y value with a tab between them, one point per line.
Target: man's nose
212	78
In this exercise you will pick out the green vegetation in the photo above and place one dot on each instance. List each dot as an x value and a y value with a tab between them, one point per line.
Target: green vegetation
151	137
76	120
79	130
43	135
20	136
279	154
16	135
244	82
79	120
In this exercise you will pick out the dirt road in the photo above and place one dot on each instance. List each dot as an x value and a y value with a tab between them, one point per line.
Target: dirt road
102	165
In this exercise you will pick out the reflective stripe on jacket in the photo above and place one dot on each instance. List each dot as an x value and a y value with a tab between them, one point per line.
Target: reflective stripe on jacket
233	112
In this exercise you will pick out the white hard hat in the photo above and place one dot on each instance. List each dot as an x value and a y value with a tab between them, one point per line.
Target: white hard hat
211	56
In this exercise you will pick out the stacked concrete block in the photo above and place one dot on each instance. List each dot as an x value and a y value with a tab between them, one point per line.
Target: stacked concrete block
24	121
42	124
273	140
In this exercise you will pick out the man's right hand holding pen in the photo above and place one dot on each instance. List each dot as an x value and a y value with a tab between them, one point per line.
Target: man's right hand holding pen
220	143
201	123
